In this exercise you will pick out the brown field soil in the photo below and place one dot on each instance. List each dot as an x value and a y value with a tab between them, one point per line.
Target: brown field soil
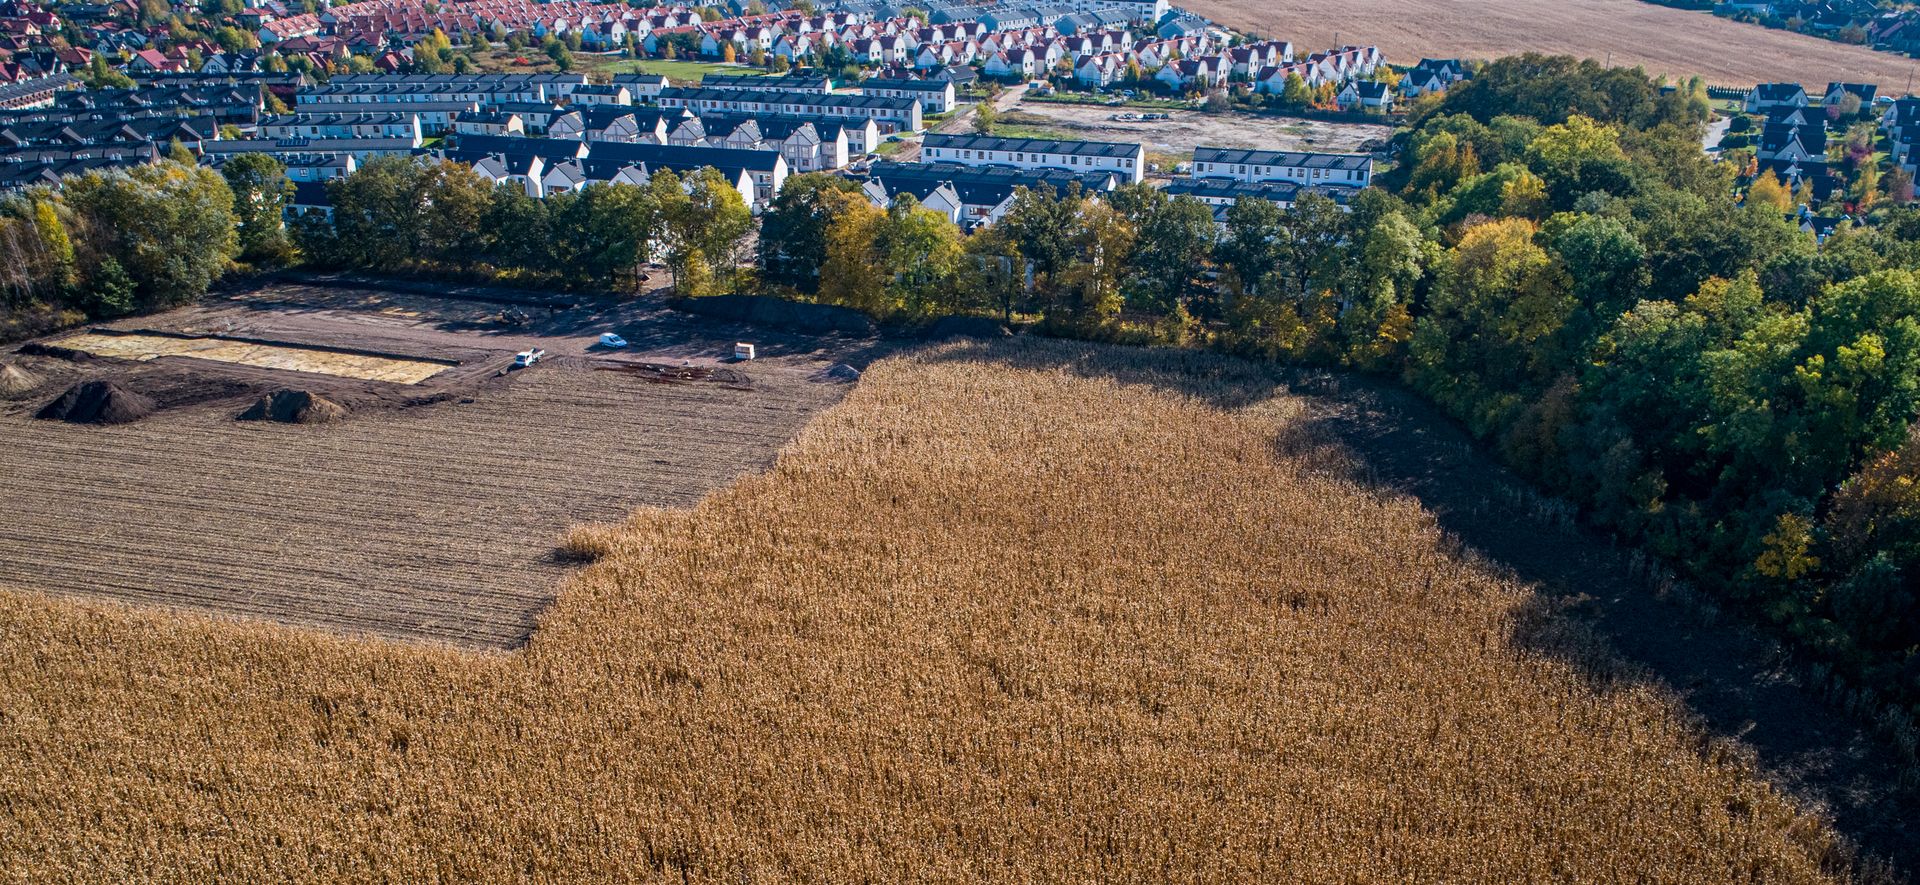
1022	611
1674	42
422	513
1188	129
143	347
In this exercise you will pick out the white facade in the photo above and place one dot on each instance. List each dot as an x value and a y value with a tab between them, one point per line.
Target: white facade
1339	170
1128	161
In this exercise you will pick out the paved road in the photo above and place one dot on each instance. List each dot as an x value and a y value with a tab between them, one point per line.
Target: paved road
1715	131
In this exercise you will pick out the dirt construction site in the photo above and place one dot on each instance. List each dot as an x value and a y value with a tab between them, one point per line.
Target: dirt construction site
1184	130
394	473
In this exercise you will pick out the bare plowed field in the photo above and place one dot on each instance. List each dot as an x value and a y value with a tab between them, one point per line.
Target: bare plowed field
1664	40
421	515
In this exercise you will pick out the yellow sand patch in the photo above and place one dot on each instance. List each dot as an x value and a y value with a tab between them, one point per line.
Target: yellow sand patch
266	356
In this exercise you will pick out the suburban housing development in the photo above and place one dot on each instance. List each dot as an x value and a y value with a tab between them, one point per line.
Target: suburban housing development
290	93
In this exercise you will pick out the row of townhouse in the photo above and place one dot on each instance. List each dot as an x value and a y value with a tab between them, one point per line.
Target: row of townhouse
799	80
306	152
935	96
1901	123
1190	62
546	166
793	37
47	167
809	143
1221	193
39	92
861	135
1254	166
374	89
1125	160
946	45
350	124
1064	15
373	24
1336	66
229	104
891	115
17	134
972	196
435	116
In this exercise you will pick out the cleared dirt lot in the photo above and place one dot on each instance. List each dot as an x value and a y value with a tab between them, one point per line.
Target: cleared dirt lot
1666	41
426	516
1186	129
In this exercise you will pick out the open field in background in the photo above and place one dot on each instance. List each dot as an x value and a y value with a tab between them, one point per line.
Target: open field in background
1668	41
1028	610
429	514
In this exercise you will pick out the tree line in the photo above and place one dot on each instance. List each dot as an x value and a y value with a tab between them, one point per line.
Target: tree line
397	214
108	244
1558	265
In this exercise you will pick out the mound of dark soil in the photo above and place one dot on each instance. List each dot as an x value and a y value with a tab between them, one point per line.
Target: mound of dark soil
967	327
36	348
840	372
294	407
15	380
98	402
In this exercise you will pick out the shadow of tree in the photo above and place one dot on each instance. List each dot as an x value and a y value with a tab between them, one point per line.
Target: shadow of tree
1592	610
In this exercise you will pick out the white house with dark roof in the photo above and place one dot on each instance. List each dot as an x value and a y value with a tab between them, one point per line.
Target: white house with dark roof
1221	194
1369	95
355	124
1127	160
609	94
1332	170
972	195
643	87
936	96
1838	92
489	123
1773	95
1793	143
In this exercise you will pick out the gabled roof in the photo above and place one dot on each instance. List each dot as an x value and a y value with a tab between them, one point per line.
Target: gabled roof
549	148
1281	158
939	86
981	185
1772	92
1036	146
670	156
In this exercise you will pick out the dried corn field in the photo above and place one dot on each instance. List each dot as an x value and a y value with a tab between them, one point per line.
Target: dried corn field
434	522
995	617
